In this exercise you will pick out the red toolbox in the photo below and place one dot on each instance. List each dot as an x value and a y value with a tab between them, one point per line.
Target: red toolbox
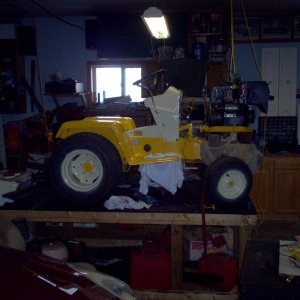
150	269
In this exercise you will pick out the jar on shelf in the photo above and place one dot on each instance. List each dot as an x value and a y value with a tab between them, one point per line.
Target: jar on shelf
200	50
220	46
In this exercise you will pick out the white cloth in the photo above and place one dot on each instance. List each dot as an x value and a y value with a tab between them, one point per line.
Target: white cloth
4	200
168	175
122	202
7	186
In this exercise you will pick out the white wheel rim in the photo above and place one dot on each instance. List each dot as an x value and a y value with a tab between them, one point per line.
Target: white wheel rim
232	184
82	170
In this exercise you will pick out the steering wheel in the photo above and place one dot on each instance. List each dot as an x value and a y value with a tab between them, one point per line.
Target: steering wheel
154	78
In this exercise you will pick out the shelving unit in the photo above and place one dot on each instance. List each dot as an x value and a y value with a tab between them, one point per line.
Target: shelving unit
83	97
208	32
242	223
12	95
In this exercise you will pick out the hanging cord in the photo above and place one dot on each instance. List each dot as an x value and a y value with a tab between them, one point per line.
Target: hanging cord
204	229
261	212
25	11
232	58
261	221
57	17
257	66
232	68
250	39
18	7
40	81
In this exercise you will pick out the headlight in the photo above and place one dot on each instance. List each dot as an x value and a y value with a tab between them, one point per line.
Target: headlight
114	285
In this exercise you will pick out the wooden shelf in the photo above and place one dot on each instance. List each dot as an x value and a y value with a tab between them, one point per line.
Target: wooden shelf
208	28
131	217
12	94
177	221
207	34
83	97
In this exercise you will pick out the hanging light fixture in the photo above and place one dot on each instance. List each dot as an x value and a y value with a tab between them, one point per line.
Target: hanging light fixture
156	22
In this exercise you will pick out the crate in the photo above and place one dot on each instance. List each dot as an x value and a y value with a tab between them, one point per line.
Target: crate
279	133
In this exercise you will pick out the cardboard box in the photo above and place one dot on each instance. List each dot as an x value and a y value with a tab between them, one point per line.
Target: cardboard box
195	249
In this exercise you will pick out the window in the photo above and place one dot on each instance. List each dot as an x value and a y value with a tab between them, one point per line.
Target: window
115	77
116	80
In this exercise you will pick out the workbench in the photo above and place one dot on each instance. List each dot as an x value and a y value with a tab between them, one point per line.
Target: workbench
242	222
83	97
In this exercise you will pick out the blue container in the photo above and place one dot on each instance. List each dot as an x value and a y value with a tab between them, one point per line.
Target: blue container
200	51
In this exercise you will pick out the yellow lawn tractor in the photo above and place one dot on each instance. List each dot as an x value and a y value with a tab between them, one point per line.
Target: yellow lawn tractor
90	154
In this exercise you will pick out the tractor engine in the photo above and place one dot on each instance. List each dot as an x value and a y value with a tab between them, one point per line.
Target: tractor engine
233	105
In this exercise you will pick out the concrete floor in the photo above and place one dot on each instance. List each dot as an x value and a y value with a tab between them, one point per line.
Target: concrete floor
277	230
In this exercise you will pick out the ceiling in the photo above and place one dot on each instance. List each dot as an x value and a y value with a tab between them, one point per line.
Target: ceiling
24	8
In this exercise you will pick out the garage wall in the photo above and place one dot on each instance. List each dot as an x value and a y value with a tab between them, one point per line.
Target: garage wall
62	47
245	63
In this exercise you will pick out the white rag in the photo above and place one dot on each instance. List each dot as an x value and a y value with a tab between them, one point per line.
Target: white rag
168	175
122	202
4	200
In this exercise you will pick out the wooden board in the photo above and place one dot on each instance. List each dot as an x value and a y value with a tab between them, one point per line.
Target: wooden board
130	217
187	295
176	220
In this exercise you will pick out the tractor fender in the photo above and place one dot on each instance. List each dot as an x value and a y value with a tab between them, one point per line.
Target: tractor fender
110	128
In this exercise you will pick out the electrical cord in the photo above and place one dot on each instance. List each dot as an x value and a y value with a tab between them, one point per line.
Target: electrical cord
265	117
212	294
261	212
232	56
292	259
14	6
23	10
57	17
260	175
250	39
294	262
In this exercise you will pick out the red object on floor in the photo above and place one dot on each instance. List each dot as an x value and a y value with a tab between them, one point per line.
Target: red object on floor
150	269
218	241
222	269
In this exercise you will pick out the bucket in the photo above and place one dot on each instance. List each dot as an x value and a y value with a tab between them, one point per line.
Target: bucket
55	250
200	51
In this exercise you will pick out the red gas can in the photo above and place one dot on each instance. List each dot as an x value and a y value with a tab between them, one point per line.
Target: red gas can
150	269
222	267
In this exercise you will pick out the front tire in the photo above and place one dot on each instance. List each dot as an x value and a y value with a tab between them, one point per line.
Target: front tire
85	168
227	182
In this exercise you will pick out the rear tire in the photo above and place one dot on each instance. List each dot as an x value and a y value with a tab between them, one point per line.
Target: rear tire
85	168
227	182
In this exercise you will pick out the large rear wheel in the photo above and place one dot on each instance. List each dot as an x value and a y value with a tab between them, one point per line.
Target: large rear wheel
85	168
227	181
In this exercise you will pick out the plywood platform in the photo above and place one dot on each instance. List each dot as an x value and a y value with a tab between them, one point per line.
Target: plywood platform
43	205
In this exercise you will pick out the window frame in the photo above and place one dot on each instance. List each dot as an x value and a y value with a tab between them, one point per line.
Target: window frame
147	67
